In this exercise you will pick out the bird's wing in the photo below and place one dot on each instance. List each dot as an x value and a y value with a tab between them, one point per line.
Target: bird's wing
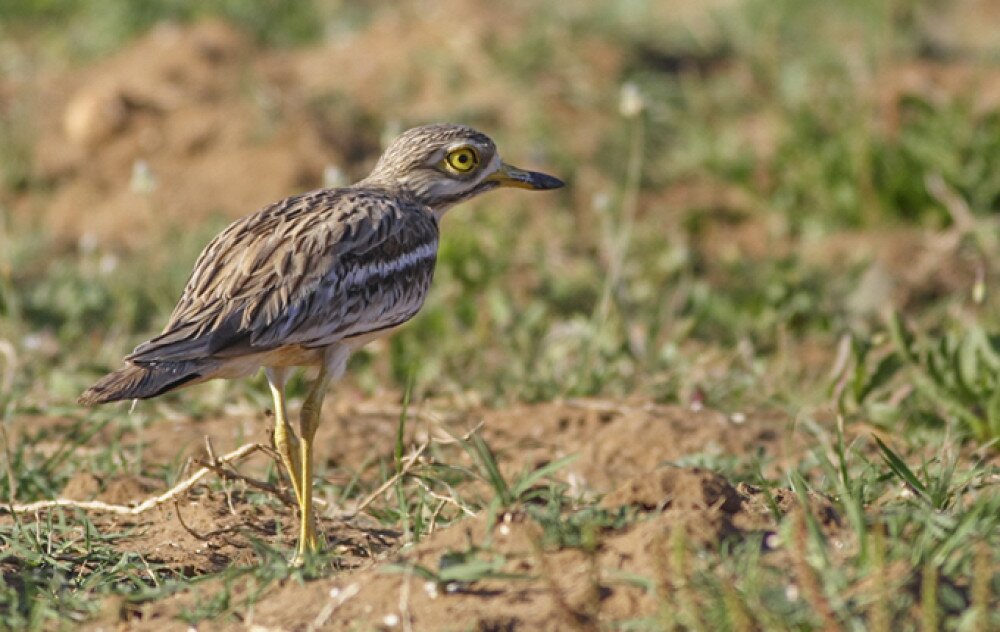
309	270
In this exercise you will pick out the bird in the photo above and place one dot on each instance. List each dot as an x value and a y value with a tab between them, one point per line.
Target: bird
310	279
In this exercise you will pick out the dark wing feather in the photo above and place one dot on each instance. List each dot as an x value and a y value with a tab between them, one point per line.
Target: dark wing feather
302	271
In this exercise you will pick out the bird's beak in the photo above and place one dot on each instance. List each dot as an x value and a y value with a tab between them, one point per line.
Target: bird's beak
509	176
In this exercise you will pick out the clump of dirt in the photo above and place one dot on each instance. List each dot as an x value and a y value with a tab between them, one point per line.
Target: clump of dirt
677	488
82	486
123	488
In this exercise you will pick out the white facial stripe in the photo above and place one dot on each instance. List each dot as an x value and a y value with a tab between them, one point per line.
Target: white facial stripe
493	167
362	274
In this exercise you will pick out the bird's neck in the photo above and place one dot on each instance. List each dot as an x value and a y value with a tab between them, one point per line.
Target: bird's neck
414	191
405	191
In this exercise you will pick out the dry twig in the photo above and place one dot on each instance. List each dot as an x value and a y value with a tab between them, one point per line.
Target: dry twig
408	463
146	505
218	467
445	499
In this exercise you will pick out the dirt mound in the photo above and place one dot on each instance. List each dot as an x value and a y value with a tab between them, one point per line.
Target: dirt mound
165	133
676	488
558	587
192	121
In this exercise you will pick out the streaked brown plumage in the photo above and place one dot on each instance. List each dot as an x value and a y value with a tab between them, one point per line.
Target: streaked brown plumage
309	279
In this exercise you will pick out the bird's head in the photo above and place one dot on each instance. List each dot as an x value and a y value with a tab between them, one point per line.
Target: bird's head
443	164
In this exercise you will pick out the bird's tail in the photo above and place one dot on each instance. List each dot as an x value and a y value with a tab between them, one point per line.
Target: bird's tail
141	381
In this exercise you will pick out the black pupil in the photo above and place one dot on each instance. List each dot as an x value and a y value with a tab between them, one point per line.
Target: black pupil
463	158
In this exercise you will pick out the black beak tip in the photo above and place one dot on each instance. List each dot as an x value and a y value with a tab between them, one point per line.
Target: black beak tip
545	182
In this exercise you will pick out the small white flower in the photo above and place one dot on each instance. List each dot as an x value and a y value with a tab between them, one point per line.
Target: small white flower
630	100
108	263
391	620
32	342
738	418
601	201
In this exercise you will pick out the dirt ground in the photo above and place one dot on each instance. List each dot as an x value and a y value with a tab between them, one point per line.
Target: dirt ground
625	452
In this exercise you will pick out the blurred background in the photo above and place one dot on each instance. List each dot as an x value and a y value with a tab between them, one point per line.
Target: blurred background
751	184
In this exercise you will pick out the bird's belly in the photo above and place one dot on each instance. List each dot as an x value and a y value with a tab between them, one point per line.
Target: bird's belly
290	356
356	342
287	356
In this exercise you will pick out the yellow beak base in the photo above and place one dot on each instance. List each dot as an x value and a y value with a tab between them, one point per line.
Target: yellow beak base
509	176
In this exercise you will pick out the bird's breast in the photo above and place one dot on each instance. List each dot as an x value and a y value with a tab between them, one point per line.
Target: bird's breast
373	293
382	266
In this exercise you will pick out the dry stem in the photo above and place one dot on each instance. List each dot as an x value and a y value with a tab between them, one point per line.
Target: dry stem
408	463
149	503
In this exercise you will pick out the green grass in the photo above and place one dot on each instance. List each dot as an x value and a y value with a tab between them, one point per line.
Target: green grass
947	522
82	28
668	308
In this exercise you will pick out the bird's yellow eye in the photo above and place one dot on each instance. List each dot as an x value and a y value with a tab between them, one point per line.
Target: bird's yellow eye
463	159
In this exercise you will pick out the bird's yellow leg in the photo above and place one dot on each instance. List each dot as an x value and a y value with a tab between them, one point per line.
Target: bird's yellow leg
285	441
308	423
